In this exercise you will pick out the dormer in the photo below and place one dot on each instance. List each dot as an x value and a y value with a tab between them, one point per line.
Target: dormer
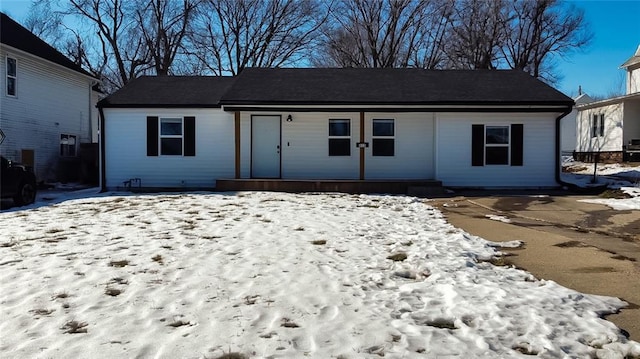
633	72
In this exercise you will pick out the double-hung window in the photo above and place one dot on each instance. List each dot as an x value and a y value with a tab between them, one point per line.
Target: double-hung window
339	137
12	76
383	139
171	136
497	145
68	145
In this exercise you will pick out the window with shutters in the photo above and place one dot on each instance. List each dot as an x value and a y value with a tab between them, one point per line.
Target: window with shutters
171	136
339	137
497	145
12	76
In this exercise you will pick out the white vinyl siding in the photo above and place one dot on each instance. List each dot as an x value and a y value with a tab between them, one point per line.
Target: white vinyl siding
413	147
51	100
305	146
453	159
632	125
126	149
611	137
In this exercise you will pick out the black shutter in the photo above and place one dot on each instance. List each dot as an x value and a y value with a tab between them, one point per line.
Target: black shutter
477	145
189	136
517	144
152	135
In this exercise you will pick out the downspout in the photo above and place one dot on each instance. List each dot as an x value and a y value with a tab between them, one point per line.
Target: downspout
103	176
559	149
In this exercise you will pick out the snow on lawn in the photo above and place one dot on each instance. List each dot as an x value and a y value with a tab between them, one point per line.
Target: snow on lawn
276	275
621	204
615	175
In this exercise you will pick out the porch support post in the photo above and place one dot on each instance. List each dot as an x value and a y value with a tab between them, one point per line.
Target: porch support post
361	147
237	138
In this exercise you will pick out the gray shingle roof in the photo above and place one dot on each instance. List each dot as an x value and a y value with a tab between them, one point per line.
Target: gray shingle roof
170	91
351	86
317	86
15	35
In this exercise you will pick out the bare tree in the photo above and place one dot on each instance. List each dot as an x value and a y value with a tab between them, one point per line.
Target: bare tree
230	35
430	52
43	21
123	53
539	30
478	34
377	33
46	20
164	25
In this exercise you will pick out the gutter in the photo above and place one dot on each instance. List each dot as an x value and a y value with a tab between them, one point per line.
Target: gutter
559	150
103	176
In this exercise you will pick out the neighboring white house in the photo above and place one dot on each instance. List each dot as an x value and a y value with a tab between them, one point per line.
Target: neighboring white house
464	128
46	105
569	126
608	127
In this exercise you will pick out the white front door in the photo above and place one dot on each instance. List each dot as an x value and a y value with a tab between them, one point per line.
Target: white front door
265	146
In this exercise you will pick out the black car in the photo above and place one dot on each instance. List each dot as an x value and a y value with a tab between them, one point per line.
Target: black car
18	182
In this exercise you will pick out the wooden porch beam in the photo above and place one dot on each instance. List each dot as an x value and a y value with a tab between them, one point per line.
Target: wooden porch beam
237	142
361	147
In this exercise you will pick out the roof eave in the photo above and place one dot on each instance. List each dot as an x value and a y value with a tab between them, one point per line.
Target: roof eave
156	105
79	72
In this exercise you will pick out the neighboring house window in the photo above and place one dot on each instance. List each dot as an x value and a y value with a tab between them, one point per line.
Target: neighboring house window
339	137
171	136
383	139
597	125
12	76
497	145
68	145
601	125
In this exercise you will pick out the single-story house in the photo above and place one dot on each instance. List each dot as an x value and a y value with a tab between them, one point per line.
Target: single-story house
610	128
476	128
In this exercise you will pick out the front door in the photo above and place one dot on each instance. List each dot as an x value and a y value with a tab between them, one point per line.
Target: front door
265	146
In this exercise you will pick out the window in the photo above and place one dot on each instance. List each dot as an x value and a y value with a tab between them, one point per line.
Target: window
383	139
171	136
597	125
601	125
339	137
12	79
68	145
497	145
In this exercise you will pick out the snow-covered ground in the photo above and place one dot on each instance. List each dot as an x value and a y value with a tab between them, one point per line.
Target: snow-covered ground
617	176
274	275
